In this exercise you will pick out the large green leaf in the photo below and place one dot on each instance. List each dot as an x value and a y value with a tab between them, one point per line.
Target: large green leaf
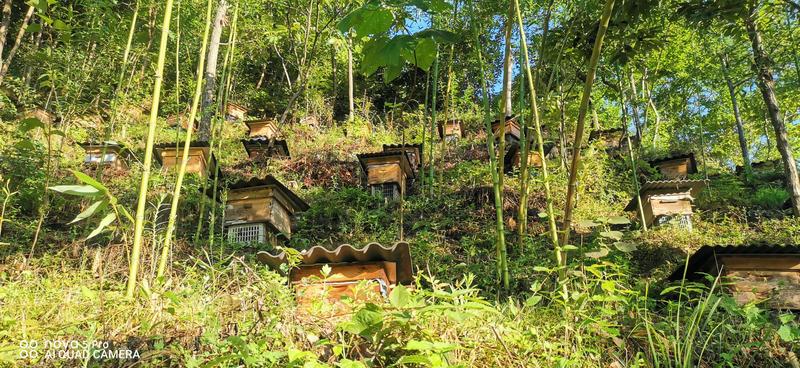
438	35
110	217
29	124
425	53
400	297
89	211
78	190
86	179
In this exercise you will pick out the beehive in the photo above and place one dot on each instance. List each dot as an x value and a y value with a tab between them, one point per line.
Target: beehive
110	154
387	174
381	268
512	130
235	112
663	201
414	152
263	128
266	147
201	161
677	166
260	210
769	273
608	138
451	130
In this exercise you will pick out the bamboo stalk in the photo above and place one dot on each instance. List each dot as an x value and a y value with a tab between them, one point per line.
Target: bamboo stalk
551	218
579	129
501	239
176	195
148	154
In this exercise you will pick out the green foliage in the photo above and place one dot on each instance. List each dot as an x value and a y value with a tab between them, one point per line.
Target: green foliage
770	198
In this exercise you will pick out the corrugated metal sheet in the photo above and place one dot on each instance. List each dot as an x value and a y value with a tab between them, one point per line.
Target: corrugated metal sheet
704	254
399	253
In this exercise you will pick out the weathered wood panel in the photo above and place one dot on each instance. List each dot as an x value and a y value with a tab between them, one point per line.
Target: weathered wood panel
248	210
263	128
384	173
675	169
789	263
347	272
670	207
171	158
281	219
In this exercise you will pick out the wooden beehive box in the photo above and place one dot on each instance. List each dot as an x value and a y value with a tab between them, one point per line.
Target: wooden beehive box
387	168
513	157
110	154
381	268
608	138
663	200
266	147
452	130
768	273
414	152
512	130
235	112
201	161
263	128
261	201
676	166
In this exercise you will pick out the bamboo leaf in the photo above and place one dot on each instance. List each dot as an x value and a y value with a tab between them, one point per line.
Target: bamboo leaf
77	190
110	217
88	212
86	179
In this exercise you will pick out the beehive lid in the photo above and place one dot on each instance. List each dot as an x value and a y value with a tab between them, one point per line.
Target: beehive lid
399	253
668	186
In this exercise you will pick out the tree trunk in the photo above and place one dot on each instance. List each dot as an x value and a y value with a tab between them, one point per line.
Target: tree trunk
4	25
204	131
635	108
17	42
508	67
737	115
763	70
595	119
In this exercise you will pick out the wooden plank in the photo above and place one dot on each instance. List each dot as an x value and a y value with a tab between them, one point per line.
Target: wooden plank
675	169
760	262
678	207
385	173
248	210
281	219
249	193
341	272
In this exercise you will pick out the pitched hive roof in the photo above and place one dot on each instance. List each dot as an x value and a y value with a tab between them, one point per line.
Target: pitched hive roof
399	253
